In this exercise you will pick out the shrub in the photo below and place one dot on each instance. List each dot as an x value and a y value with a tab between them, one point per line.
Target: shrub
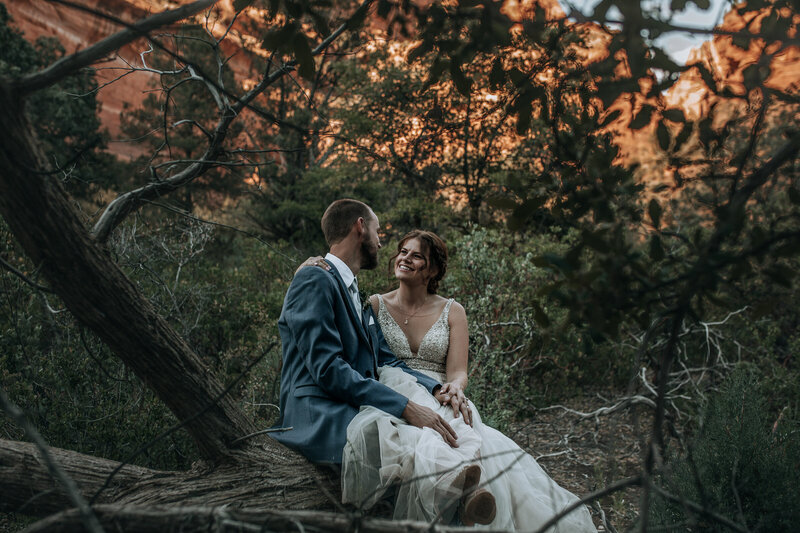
739	464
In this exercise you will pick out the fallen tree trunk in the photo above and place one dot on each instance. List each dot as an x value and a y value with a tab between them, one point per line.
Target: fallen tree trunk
159	519
268	477
235	471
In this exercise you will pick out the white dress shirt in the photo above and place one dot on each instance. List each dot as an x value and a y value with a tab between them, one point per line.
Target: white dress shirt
348	277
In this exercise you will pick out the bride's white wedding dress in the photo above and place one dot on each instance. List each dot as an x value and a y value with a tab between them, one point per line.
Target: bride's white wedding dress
385	453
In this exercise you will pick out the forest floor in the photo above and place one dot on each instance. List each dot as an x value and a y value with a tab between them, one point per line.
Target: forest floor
581	454
585	454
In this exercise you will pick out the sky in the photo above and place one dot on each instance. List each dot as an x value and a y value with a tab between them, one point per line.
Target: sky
677	45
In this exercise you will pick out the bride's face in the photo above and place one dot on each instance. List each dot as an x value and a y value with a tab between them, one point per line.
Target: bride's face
412	262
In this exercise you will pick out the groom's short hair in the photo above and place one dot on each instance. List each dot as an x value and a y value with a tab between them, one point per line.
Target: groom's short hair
340	217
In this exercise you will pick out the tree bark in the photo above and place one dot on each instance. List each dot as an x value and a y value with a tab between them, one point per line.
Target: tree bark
94	289
186	519
257	478
29	488
259	473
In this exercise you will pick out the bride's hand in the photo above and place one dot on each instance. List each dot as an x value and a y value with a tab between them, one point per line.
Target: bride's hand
453	394
317	261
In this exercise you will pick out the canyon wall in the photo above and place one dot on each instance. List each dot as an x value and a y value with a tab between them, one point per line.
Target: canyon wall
76	29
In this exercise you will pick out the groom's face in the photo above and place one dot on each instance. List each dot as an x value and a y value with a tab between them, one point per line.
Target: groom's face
370	244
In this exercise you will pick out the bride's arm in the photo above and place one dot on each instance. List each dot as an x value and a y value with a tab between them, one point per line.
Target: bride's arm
452	392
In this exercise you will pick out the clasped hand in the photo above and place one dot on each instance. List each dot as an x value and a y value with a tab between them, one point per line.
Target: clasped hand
452	394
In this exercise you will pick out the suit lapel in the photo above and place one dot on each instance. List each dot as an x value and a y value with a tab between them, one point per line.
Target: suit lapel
355	314
366	314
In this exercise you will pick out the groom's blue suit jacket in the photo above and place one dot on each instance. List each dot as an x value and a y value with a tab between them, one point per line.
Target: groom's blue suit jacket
330	363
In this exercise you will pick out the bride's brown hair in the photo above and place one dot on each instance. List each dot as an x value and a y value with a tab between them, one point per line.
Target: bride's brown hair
437	255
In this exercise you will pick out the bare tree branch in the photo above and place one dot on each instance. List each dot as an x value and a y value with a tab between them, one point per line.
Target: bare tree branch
227	519
124	204
83	58
608	489
8	266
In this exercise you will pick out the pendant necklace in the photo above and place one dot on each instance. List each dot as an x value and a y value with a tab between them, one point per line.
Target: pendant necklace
405	322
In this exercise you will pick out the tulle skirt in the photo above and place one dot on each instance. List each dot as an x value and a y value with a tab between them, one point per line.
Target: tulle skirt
384	453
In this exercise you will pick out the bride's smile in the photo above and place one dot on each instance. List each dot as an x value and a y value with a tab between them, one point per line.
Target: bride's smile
410	260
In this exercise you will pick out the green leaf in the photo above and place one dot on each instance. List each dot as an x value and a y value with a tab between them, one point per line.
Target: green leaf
706	132
357	18
502	202
751	77
794	196
418	51
384	8
540	316
305	60
239	5
654	210
683	135
461	82
656	248
497	74
642	119
594	240
741	41
611	117
663	136
279	38
780	274
436	71
674	114
294	9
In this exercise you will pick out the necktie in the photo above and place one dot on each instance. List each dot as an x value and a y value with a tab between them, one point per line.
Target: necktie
354	296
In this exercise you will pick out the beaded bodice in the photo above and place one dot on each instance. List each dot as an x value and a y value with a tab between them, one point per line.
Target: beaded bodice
432	352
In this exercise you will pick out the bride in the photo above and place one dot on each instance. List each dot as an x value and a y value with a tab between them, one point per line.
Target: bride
486	478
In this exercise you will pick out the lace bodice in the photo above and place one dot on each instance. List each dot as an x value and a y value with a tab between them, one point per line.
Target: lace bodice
432	352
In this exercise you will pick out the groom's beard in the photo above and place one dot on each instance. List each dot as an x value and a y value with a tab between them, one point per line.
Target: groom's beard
369	255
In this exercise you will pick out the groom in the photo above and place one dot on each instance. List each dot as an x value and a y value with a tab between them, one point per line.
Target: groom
332	346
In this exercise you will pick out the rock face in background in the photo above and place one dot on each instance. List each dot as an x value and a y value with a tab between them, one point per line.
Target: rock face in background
727	62
76	30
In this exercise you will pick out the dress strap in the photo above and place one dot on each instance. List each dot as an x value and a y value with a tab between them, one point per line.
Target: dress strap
446	310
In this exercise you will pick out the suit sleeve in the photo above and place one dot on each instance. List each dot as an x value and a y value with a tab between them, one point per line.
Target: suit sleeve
387	358
309	313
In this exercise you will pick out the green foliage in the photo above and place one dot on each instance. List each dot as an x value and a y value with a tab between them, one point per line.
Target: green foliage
81	397
173	125
571	253
515	364
63	115
739	465
72	388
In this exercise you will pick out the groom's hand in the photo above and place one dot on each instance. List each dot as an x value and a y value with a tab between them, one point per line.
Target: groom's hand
424	417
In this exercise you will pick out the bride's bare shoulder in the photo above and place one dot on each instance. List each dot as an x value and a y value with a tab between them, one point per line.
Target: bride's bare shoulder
374	300
457	313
